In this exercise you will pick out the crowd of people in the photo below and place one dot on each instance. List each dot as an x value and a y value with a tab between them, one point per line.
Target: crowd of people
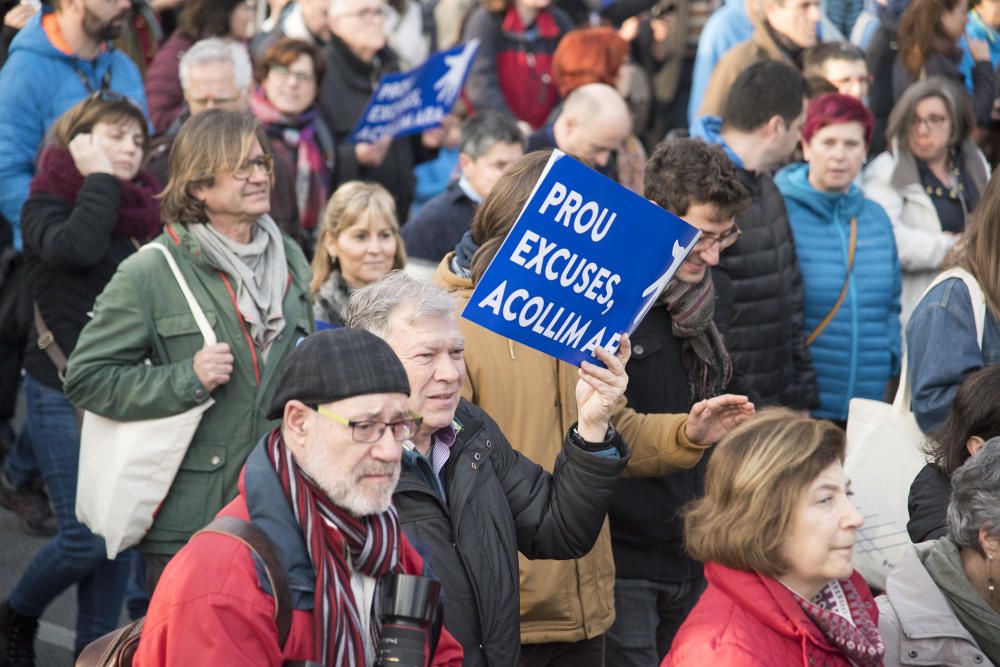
680	501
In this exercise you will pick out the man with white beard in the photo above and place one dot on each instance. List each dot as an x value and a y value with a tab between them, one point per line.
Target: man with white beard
319	486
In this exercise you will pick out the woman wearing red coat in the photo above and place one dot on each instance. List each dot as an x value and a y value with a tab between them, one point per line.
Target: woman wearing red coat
776	530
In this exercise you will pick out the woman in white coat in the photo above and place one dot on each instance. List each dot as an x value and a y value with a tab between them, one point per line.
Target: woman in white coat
929	180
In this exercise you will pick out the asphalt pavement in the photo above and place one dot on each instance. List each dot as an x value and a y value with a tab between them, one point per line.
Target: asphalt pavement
54	647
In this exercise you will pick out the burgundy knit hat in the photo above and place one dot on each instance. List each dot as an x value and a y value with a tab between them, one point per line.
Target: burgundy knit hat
833	108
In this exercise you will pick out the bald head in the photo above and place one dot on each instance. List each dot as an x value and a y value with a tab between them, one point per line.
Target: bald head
594	122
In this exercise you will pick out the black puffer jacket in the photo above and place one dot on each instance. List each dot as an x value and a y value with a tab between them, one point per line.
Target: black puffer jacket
759	307
498	503
347	85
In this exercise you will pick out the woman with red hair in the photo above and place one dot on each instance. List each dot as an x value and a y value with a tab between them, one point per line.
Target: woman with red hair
513	68
847	253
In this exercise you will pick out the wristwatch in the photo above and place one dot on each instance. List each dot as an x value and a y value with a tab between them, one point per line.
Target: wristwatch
577	439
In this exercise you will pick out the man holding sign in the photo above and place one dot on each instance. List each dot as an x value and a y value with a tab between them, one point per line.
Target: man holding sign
356	56
567	607
466	499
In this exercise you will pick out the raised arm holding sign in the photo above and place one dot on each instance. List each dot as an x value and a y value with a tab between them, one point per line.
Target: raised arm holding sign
581	265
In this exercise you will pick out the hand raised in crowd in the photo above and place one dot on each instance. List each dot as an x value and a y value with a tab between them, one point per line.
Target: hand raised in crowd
979	49
371	155
713	418
433	138
88	155
18	16
599	389
213	364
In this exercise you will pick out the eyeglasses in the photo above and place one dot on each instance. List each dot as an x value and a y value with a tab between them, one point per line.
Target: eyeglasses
725	240
367	432
367	14
283	72
265	162
934	122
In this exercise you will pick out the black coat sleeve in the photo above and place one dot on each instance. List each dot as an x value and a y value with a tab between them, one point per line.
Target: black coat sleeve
928	505
483	84
63	234
804	395
559	515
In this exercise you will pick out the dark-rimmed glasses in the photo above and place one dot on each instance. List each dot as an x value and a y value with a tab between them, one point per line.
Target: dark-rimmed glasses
367	431
725	240
265	162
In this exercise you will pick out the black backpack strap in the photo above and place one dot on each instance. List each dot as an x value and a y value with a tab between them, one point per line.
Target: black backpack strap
258	542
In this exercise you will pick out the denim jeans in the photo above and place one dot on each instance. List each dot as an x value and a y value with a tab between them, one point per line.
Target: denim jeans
647	616
20	465
74	555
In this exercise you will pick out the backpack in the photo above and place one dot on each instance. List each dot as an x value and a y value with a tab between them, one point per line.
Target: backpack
117	648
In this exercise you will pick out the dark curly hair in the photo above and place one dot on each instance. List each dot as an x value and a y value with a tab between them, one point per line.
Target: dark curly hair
682	172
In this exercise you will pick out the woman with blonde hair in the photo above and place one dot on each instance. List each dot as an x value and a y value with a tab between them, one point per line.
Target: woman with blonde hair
358	244
781	588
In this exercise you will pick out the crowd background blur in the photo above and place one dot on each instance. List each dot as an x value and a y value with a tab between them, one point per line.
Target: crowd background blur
836	156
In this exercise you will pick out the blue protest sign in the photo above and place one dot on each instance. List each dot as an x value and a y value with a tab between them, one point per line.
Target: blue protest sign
582	265
410	102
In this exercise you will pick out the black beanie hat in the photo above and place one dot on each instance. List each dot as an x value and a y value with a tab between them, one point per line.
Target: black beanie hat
335	364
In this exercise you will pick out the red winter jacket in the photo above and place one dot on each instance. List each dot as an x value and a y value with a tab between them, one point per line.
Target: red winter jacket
209	609
747	619
513	68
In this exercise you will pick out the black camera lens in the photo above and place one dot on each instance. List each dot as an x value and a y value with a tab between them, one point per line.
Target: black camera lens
408	606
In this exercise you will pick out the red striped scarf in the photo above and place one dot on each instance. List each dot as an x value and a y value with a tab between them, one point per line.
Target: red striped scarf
373	543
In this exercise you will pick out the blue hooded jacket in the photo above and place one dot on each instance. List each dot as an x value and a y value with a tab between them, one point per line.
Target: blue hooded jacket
38	83
859	350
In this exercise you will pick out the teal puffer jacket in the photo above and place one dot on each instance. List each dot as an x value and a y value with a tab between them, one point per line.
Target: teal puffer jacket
859	350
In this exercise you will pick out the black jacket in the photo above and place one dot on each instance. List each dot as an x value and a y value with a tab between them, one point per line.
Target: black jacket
759	306
70	256
439	225
928	505
647	535
498	503
347	85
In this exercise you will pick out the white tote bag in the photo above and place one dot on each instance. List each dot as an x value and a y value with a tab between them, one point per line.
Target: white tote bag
884	454
127	468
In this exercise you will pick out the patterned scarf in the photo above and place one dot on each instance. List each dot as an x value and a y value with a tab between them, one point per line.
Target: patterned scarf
691	308
138	212
373	542
295	136
840	615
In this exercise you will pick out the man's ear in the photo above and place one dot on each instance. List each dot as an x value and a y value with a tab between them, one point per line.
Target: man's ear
775	126
295	423
464	160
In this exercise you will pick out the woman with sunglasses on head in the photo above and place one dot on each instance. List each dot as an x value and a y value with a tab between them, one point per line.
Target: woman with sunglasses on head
90	207
846	249
929	180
